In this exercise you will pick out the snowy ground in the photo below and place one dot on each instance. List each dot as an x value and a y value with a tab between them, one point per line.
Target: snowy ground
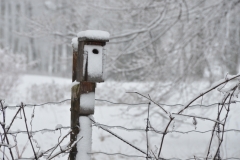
37	89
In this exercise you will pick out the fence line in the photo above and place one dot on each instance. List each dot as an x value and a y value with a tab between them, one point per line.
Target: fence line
117	103
218	131
104	126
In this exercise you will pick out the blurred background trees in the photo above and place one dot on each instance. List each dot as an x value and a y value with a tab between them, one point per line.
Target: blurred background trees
155	40
169	44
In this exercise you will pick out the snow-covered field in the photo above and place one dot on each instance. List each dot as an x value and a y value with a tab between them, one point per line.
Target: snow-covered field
40	89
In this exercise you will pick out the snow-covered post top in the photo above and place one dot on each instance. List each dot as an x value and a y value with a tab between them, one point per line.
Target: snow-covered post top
75	43
90	59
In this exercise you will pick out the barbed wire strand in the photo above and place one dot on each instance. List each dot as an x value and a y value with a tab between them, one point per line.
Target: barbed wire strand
142	104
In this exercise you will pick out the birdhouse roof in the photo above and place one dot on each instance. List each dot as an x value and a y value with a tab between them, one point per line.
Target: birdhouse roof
95	35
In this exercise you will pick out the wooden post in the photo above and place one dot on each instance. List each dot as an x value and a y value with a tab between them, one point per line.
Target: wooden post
74	118
77	111
88	59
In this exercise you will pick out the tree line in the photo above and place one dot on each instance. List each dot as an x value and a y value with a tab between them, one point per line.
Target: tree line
150	40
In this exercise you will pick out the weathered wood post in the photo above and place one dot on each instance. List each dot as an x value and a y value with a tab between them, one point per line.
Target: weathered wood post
88	67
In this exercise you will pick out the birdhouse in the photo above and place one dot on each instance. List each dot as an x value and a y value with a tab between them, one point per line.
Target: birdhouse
89	59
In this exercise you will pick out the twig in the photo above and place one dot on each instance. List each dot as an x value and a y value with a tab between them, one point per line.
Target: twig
59	143
147	129
218	116
29	137
225	123
62	151
164	134
4	154
154	155
149	98
119	137
4	130
194	99
13	120
218	134
212	88
199	118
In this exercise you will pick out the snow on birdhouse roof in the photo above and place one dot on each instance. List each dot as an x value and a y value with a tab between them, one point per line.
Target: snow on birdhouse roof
94	35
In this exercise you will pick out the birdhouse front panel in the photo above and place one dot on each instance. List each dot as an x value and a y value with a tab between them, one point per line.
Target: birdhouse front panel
93	57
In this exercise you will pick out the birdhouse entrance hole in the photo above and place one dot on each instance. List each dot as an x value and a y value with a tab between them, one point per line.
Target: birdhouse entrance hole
95	51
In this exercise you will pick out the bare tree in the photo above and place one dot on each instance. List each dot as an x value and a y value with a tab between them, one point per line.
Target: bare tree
174	42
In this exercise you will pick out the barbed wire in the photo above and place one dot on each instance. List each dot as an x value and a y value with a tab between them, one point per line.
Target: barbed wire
226	102
119	127
37	131
36	105
117	103
43	131
117	154
218	130
5	143
160	132
138	156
